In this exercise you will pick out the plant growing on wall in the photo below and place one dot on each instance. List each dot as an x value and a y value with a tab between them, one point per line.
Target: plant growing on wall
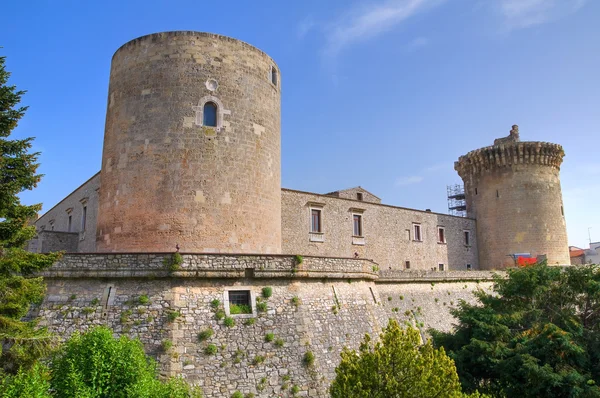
267	292
22	342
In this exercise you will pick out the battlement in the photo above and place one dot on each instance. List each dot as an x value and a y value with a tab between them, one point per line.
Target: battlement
508	154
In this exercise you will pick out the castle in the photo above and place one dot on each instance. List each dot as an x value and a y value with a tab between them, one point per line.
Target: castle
192	163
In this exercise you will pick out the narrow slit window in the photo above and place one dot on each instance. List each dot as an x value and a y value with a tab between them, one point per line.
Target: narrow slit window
441	235
359	196
70	225
210	114
83	218
407	264
440	267
357	225
315	220
417	232
273	75
467	238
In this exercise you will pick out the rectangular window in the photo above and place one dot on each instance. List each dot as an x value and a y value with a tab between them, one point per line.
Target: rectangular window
467	238
359	196
407	265
469	267
83	218
240	302
357	225
70	225
417	232
315	220
441	235
440	267
273	75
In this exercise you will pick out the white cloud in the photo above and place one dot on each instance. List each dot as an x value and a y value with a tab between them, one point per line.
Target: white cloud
364	22
520	14
402	181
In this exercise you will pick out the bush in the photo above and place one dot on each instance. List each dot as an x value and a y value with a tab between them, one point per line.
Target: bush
172	316
96	365
298	259
262	307
166	344
210	349
296	301
215	303
205	334
237	394
143	299
309	358
267	292
250	321
279	342
229	322
269	337
32	383
220	314
94	302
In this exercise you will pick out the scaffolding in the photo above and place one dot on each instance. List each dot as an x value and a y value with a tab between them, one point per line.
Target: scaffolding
457	206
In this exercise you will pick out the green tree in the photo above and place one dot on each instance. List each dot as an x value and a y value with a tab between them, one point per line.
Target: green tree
536	335
21	342
397	366
96	365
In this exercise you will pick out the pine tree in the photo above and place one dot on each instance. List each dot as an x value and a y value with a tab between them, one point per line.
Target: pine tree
21	342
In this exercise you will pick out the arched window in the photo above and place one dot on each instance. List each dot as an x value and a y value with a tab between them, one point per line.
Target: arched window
210	114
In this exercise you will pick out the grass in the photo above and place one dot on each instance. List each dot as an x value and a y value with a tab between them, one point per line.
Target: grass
298	259
262	307
94	302
235	309
211	349
237	394
220	314
172	316
143	300
269	337
88	310
296	301
166	345
295	389
205	334
229	322
279	342
258	360
215	303
250	321
308	359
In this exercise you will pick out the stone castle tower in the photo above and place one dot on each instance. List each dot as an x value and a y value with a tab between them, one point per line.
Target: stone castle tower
192	152
513	191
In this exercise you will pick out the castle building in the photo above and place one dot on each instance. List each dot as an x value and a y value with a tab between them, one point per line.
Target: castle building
192	160
191	163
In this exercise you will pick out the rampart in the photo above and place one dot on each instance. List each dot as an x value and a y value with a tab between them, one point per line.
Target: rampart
317	304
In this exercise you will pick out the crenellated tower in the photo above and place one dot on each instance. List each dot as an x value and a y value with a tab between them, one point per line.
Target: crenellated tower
512	189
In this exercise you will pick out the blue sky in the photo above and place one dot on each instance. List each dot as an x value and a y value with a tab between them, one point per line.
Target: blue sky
385	94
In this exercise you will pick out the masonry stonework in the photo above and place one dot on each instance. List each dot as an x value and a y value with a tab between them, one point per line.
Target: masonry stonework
170	178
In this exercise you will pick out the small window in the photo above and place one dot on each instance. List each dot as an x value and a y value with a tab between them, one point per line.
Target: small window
417	232
467	238
357	218
407	264
240	302
408	234
440	267
497	193
562	211
475	191
83	218
468	267
210	114
359	196
70	224
273	75
441	235
315	220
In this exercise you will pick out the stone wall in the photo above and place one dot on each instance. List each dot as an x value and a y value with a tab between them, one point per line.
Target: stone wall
319	305
169	178
356	193
57	219
388	235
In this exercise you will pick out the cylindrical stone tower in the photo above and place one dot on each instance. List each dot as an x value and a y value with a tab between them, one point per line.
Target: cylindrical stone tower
513	191
192	148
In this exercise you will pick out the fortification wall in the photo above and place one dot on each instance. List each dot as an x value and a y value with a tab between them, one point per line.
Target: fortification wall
172	175
320	305
388	233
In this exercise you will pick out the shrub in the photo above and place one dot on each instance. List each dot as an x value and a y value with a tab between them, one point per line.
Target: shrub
205	334
308	359
125	316
267	292
88	310
237	394
262	307
34	382
220	314
173	262
72	297
229	322
279	342
235	309
95	364
215	303
210	349
172	316
166	344
269	337
250	321
143	299
298	259
295	389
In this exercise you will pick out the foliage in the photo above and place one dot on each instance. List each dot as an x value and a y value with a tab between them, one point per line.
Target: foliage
308	359
235	309
396	366
172	316
258	359
298	259
33	383
205	334
210	349
220	314
173	262
166	344
143	300
94	365
215	303
296	301
267	292
22	343
269	337
237	394
250	321
229	322
536	335
279	342
262	307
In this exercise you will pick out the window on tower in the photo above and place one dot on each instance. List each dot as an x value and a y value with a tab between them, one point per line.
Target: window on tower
210	114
